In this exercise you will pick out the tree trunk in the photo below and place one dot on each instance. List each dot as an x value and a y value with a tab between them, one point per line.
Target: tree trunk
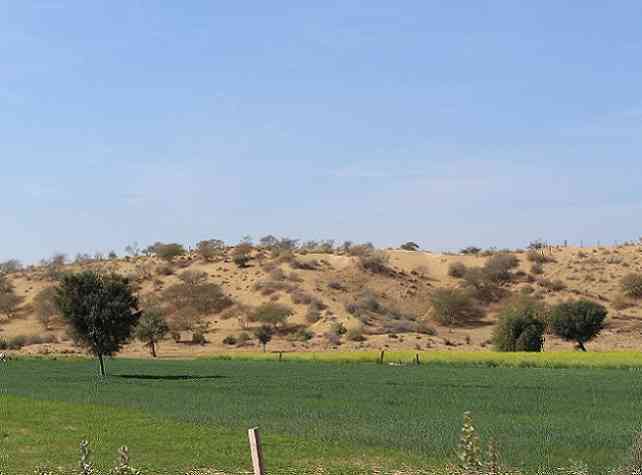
152	347
580	346
102	365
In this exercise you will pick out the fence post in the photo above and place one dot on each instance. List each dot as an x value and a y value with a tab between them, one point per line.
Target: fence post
381	356
257	453
417	358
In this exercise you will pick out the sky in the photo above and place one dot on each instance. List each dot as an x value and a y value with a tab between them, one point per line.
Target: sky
489	123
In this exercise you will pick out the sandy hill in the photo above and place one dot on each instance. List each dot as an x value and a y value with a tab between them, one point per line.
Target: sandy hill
323	289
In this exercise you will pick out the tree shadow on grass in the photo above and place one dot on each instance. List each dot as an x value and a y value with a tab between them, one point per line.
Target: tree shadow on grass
173	377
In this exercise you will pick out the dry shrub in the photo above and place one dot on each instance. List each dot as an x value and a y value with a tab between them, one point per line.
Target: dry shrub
457	270
632	285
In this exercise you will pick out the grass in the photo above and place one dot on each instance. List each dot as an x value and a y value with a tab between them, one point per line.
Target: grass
175	415
555	359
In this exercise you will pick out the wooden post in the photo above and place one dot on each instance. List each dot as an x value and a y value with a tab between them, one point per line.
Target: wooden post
257	453
417	358
280	356
381	356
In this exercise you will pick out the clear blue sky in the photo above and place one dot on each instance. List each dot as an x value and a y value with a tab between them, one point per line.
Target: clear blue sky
448	123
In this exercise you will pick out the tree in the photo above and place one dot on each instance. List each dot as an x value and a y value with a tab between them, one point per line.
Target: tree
268	241
578	321
272	313
454	307
264	334
100	311
133	249
45	306
410	246
521	324
10	266
152	327
169	252
210	249
498	267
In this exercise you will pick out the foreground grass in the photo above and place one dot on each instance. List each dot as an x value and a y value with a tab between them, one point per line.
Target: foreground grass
179	414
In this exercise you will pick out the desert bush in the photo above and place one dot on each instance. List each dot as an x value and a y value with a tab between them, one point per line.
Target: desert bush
632	285
302	334
336	285
521	324
300	264
196	293
243	338
230	340
471	250
375	262
312	315
169	252
537	268
482	286
193	279
210	249
498	267
578	321
9	301
457	270
241	255
453	307
538	256
272	314
165	269
332	338
268	286
552	285
10	266
356	334
425	328
410	246
358	250
199	338
15	343
338	329
399	326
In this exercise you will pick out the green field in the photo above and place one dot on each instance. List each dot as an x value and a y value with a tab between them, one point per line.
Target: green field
175	415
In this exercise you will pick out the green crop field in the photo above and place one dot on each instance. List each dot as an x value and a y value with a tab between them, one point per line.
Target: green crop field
176	415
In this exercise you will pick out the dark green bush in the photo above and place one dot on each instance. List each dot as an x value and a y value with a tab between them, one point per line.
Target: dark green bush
482	286
521	324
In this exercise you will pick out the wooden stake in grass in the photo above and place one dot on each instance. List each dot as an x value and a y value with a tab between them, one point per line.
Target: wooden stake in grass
257	453
381	356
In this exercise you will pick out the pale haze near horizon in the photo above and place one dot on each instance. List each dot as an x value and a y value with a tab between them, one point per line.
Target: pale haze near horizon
449	124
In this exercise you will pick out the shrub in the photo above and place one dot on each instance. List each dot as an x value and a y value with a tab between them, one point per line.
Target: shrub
241	255
198	338
210	249
9	301
552	285
305	265
230	340
338	329
453	307
537	268
243	338
521	324
272	314
538	256
169	252
578	321
482	286
471	250
45	306
410	246
457	270
356	334
621	302
375	262
313	314
302	334
632	285
498	267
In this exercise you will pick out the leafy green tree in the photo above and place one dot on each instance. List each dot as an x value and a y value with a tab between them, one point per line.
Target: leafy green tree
578	321
101	311
453	307
272	313
521	324
264	334
45	306
152	328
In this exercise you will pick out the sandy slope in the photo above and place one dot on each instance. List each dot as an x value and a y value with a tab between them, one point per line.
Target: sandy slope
590	272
